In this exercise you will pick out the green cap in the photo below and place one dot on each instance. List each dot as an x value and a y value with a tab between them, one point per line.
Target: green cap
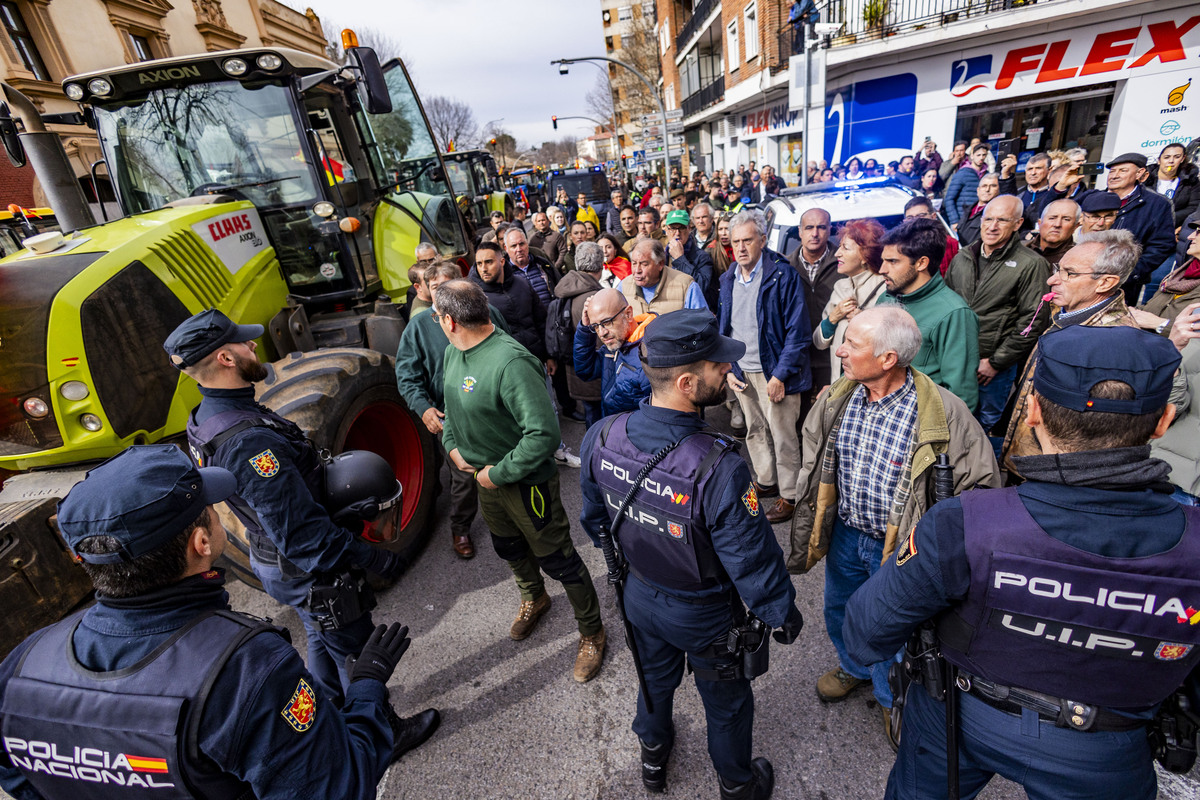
678	217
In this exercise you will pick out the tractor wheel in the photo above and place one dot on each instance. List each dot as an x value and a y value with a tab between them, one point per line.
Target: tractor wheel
346	399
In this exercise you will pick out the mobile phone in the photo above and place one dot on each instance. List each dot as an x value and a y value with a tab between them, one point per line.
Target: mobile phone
1007	147
929	138
1094	168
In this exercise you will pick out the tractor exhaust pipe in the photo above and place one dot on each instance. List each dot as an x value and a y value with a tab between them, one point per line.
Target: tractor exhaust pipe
49	160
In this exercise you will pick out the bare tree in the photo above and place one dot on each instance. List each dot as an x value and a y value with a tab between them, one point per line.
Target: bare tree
452	121
559	152
599	100
639	49
384	44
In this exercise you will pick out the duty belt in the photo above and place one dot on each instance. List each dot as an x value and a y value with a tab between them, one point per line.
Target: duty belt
1063	713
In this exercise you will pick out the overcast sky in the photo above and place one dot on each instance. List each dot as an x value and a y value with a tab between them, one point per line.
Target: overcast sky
492	54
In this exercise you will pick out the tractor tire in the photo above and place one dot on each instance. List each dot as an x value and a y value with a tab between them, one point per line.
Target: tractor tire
346	399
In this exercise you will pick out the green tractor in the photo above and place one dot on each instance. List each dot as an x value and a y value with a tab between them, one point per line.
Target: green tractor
476	181
277	186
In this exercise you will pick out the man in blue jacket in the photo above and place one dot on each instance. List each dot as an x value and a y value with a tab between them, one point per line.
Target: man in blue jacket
608	320
762	305
1144	213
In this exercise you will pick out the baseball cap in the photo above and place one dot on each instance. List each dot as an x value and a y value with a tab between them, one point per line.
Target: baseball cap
1094	202
143	498
685	337
1137	159
677	217
1073	360
202	333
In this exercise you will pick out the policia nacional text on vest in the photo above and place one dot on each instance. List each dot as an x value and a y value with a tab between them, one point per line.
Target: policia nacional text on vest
130	733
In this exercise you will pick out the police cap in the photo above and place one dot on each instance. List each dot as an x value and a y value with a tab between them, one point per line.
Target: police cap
143	498
685	337
1095	202
1073	360
201	334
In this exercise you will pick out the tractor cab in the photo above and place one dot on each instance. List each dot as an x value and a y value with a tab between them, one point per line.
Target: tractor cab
339	164
476	181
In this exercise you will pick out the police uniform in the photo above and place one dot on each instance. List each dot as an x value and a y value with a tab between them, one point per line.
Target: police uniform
1062	603
696	540
169	694
280	478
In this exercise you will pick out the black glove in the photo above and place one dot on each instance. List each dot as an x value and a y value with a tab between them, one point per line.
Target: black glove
380	654
384	563
790	628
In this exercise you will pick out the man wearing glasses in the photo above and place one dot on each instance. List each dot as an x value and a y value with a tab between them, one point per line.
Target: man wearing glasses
1085	289
1099	212
1002	281
608	320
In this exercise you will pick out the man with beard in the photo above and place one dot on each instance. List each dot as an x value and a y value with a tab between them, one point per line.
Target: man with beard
279	479
687	583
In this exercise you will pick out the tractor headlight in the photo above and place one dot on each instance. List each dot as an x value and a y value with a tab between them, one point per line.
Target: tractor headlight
90	422
74	91
74	390
235	67
100	87
323	209
269	62
36	407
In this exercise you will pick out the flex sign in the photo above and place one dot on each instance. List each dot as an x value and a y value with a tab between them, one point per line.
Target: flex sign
1077	57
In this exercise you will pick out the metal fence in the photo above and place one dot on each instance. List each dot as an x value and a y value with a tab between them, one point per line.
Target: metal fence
710	94
700	12
872	19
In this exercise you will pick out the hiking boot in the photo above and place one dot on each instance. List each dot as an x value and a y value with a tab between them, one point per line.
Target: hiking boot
591	654
780	511
409	733
770	490
758	787
654	766
836	685
531	611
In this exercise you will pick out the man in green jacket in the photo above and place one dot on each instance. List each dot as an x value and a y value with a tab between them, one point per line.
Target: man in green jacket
501	427
949	355
1003	282
419	378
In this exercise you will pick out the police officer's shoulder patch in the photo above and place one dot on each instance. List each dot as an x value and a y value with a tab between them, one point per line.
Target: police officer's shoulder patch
750	500
265	463
301	710
908	547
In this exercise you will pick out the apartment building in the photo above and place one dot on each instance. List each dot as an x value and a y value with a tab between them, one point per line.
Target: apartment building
629	37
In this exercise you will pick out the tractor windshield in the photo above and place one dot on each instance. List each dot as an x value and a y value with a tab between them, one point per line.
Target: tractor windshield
205	138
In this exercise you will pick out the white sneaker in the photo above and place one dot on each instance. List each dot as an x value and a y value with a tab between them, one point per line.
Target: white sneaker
564	456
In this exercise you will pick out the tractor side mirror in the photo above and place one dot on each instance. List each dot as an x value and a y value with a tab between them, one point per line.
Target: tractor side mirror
372	84
11	139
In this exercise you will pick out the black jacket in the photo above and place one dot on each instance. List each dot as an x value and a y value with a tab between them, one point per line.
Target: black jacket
1148	216
1187	193
816	296
521	307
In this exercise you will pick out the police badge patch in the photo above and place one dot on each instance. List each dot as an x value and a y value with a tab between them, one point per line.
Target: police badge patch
265	464
675	529
302	709
750	500
1169	651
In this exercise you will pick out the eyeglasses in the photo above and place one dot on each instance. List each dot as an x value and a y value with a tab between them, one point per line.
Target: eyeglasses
606	323
436	315
1067	274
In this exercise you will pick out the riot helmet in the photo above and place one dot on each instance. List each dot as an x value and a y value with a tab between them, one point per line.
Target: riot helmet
361	487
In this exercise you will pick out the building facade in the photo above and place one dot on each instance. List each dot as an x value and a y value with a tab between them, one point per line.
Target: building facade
49	40
629	36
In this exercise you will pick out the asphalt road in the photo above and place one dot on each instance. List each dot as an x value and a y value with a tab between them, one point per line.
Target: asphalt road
515	724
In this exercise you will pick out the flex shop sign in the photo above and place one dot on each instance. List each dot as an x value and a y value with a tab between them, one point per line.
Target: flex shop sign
769	120
1119	50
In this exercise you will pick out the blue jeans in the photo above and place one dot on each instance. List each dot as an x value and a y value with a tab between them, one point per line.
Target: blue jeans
665	628
1050	763
853	557
327	650
1184	499
992	399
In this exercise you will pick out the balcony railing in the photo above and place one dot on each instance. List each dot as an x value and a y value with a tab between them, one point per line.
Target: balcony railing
865	20
700	12
713	93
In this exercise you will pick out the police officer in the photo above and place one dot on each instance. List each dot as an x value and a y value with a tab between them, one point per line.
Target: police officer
698	546
159	689
1063	604
295	548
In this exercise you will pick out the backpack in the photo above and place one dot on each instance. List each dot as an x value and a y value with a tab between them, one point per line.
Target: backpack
560	329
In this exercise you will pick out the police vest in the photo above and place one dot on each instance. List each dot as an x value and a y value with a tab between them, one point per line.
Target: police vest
206	438
664	535
130	733
1042	615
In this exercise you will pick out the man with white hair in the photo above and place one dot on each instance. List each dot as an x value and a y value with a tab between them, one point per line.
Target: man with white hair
652	286
762	305
1056	230
870	444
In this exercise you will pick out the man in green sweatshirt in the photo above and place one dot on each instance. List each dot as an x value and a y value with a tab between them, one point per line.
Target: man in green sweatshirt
501	427
949	355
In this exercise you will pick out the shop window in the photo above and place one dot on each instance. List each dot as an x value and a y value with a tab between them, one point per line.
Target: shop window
22	40
731	45
750	29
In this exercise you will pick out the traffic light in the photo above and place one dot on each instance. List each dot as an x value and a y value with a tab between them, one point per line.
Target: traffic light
492	142
624	160
554	122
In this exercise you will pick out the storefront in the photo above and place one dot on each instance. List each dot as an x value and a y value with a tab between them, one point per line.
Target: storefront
768	133
1110	82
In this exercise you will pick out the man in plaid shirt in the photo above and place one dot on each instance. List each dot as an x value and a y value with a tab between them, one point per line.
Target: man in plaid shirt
869	446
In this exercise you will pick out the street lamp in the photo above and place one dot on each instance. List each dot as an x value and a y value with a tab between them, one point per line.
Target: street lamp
562	70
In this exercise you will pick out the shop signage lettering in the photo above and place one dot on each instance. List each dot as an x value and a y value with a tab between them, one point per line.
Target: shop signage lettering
769	119
1109	52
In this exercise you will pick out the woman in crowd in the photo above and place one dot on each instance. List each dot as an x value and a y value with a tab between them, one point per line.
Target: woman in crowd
859	257
854	170
1174	177
616	265
723	249
931	184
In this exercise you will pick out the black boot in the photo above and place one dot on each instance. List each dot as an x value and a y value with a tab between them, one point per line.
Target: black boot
409	733
654	766
758	787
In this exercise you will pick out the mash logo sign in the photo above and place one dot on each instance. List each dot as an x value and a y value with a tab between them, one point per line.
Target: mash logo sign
235	238
89	764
